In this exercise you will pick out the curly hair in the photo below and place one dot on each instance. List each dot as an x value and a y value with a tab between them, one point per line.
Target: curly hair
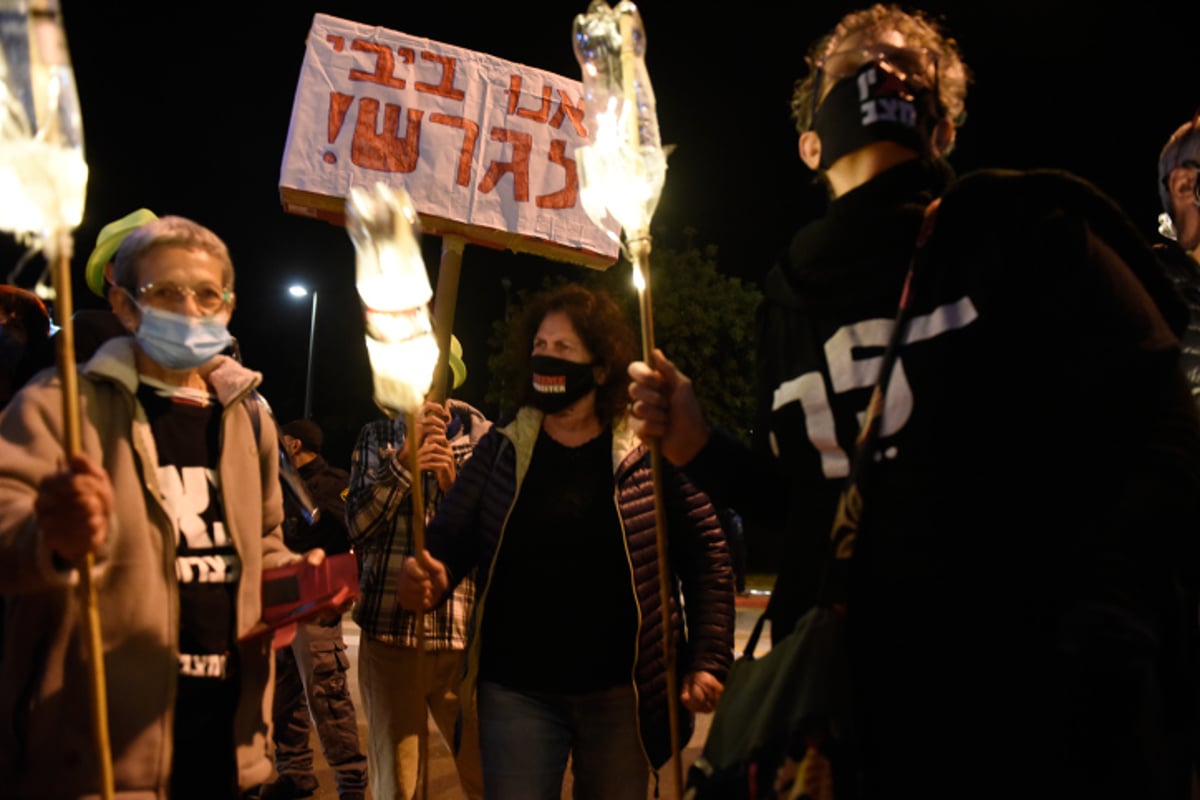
868	26
603	328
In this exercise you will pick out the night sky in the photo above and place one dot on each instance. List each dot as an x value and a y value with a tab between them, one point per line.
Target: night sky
186	110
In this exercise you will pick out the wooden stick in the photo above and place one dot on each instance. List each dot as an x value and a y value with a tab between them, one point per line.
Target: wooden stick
59	252
417	530
445	298
639	249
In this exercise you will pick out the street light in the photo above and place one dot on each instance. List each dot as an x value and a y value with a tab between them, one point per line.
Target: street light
300	290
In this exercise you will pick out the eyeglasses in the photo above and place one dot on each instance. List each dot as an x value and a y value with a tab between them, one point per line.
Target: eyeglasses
906	63
209	298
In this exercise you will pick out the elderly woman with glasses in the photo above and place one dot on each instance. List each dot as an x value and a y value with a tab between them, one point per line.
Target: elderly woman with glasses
176	495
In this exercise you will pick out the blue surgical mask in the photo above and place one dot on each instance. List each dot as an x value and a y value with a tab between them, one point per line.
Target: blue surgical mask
181	342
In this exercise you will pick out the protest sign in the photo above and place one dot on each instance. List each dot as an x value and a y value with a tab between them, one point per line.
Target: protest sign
484	147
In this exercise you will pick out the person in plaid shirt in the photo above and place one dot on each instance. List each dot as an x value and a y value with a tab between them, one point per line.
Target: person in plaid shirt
379	513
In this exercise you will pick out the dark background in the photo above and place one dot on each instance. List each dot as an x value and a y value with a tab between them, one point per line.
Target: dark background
186	110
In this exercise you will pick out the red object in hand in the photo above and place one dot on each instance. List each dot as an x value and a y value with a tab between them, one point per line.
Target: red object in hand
298	592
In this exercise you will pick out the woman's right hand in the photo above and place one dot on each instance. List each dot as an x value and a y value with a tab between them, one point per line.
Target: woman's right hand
74	509
422	582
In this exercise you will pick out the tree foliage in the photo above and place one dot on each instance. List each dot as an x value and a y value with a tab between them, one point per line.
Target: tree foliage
702	320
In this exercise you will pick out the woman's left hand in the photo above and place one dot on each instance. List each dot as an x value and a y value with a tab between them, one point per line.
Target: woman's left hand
701	691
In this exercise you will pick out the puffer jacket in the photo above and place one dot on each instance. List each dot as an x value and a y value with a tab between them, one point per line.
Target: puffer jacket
468	532
46	743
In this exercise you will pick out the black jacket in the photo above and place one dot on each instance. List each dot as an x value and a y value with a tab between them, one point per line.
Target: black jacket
1024	580
327	485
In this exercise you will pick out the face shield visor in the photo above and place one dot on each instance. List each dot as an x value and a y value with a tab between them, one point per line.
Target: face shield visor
1166	225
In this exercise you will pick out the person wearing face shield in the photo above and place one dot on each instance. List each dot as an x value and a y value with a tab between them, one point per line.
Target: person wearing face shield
1179	227
1020	603
176	494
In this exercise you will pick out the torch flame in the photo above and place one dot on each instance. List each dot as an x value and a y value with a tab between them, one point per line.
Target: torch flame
623	168
43	175
395	292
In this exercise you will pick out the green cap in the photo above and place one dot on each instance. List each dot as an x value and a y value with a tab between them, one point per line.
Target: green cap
110	238
457	367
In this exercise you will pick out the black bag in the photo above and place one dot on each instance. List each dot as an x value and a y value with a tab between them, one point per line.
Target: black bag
783	727
790	705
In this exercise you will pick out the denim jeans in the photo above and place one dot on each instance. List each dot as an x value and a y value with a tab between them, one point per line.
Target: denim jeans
527	737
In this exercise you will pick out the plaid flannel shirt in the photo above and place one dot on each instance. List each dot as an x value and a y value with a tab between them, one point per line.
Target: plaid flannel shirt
379	514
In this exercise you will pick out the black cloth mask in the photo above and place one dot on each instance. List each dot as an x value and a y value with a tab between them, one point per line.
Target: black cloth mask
557	383
872	105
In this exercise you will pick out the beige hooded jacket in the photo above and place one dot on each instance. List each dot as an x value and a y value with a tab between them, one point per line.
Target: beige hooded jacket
46	742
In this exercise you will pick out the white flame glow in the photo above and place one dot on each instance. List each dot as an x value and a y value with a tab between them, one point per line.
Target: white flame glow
395	292
622	169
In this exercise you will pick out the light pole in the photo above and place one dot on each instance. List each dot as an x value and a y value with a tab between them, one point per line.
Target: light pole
300	290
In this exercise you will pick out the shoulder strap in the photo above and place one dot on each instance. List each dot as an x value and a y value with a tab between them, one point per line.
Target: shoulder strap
294	490
845	531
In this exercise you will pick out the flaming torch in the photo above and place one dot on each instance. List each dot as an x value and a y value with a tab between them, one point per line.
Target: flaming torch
395	292
621	174
43	183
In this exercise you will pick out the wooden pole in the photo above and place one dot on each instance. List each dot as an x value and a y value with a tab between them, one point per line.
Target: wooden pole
639	249
59	252
417	529
445	299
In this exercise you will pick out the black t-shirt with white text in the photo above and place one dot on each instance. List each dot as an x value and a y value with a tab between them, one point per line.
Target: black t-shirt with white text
186	427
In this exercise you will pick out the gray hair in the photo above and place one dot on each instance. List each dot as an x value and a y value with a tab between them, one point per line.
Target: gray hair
169	231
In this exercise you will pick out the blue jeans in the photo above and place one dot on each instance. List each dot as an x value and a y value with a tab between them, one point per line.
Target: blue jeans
527	737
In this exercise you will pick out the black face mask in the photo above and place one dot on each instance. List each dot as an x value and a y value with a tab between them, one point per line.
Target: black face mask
872	105
557	383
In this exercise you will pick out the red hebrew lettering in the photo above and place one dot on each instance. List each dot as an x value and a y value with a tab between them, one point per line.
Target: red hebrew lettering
467	152
514	100
446	87
384	65
519	167
407	55
568	111
564	197
385	151
338	42
339	104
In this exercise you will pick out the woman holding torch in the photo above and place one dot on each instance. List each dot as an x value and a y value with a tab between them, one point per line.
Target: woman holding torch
556	510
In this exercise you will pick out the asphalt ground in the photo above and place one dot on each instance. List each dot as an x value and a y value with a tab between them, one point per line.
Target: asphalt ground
443	780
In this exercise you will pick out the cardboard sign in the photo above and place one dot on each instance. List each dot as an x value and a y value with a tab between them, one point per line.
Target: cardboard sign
484	147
